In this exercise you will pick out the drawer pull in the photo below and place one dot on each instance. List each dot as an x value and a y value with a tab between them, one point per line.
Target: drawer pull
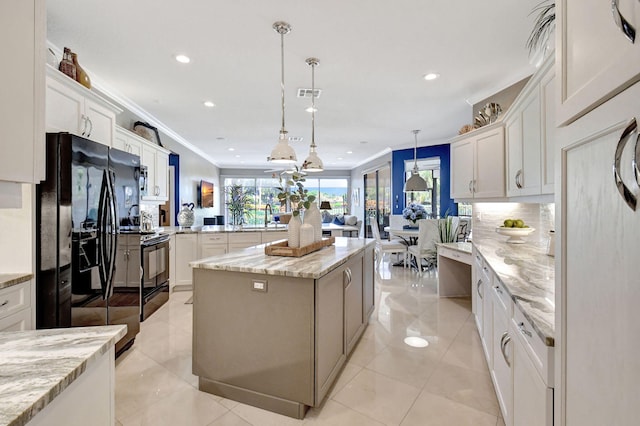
523	330
5	303
478	288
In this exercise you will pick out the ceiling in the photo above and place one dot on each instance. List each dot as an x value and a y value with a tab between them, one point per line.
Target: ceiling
373	55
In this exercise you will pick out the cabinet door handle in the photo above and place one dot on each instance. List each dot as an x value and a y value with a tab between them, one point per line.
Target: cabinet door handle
478	289
470	184
626	194
624	25
519	179
524	330
84	124
5	303
475	189
90	126
347	276
636	158
504	341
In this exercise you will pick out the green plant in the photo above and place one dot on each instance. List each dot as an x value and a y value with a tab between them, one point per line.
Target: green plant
297	199
446	230
239	203
543	26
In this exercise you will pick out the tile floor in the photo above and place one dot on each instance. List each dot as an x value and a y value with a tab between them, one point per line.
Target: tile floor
384	382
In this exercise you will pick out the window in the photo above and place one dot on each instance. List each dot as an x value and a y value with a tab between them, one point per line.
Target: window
429	170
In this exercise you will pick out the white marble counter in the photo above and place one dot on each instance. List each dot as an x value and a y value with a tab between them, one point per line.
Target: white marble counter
38	365
313	265
461	247
8	280
528	274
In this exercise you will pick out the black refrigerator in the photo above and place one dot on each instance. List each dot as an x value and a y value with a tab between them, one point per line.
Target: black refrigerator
88	188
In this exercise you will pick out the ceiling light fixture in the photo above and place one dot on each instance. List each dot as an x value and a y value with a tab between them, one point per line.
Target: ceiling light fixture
311	109
282	153
183	59
431	76
415	183
313	163
209	104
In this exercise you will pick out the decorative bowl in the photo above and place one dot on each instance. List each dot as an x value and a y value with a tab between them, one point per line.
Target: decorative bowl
515	234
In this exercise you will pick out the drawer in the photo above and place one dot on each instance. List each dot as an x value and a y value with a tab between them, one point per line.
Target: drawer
541	355
455	255
15	298
479	261
18	321
213	238
502	297
249	238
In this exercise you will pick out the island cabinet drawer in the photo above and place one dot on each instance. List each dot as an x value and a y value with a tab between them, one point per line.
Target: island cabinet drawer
455	255
15	298
540	354
217	238
245	238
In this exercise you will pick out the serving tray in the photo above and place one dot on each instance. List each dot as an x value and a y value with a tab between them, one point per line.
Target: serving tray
282	248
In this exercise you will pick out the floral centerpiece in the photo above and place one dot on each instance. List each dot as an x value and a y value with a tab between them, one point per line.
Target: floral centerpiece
414	212
297	199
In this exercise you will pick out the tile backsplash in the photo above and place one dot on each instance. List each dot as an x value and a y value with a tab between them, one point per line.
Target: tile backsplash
487	216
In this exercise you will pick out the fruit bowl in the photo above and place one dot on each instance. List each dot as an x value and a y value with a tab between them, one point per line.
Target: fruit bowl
515	234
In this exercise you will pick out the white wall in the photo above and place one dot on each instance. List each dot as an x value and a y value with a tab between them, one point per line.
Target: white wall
357	181
16	234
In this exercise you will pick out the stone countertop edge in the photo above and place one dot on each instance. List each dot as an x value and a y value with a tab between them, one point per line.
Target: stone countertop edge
8	280
461	247
38	365
313	265
528	274
209	229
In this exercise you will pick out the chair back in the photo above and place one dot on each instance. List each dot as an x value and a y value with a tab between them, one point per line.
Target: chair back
428	234
375	231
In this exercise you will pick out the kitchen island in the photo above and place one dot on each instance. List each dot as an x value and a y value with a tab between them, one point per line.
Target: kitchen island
274	332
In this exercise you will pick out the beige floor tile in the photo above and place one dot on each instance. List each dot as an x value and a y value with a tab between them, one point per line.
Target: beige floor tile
117	423
180	365
377	396
335	414
500	422
466	386
259	417
412	366
365	351
162	342
196	409
349	371
465	354
434	410
230	419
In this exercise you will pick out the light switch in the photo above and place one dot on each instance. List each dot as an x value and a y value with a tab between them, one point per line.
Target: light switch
259	285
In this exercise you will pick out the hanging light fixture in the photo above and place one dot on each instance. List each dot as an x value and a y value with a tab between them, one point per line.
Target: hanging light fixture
283	152
313	163
415	183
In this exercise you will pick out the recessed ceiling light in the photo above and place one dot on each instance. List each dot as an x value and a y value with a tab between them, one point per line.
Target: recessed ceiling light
431	76
237	155
339	158
349	152
231	149
416	342
310	109
183	59
209	104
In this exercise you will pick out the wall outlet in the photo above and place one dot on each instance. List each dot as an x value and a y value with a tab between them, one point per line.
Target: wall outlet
259	285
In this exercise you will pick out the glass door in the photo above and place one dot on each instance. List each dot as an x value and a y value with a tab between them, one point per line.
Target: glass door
377	200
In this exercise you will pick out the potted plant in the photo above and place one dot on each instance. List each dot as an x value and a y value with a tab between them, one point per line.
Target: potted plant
299	198
239	203
414	212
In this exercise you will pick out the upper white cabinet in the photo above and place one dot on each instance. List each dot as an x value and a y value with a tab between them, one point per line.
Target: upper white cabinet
126	141
530	134
477	164
156	160
596	58
22	31
73	108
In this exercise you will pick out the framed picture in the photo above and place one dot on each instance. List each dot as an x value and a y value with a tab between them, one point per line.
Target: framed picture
205	194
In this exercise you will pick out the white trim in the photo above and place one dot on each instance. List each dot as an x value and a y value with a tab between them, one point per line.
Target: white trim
385	151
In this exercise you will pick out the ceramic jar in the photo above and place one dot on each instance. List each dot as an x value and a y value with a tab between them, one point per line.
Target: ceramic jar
81	76
293	231
186	217
306	234
313	217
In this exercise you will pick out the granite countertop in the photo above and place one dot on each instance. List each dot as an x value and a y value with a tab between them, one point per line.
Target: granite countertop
8	280
314	265
461	247
38	365
528	274
170	230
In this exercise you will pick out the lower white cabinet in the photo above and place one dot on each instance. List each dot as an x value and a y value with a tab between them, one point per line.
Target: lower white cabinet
15	307
502	354
128	266
242	240
186	251
212	244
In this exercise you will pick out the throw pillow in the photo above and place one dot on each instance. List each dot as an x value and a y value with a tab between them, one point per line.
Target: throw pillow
338	220
326	217
350	220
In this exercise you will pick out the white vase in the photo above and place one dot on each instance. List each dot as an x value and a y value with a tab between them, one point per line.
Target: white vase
313	217
306	234
293	231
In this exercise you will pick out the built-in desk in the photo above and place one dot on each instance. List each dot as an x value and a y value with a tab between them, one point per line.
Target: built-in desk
454	269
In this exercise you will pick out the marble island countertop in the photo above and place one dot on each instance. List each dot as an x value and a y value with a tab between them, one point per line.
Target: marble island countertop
8	280
313	265
528	274
38	365
461	247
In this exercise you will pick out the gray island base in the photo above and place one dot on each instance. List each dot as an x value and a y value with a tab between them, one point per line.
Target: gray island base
274	332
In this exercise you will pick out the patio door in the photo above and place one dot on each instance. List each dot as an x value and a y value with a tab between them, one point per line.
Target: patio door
377	200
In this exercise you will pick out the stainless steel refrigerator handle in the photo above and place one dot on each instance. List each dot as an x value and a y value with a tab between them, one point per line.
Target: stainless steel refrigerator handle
113	234
627	29
102	206
629	198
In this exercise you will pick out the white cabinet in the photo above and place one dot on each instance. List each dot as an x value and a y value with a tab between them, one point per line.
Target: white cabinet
186	251
530	135
156	160
477	164
126	141
15	307
242	240
22	31
128	265
213	244
172	262
596	59
597	291
477	287
502	346
71	107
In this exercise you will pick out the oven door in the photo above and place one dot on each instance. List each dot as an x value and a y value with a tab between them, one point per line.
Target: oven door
155	263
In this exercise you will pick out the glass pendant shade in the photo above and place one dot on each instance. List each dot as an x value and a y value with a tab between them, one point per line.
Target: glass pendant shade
283	153
415	183
313	163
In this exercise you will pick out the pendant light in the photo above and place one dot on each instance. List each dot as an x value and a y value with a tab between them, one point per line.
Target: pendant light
415	183
313	163
282	153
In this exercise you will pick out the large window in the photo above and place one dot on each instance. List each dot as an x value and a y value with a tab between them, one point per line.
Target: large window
265	193
429	170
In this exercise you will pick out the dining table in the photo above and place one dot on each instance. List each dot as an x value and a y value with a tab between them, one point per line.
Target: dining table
409	235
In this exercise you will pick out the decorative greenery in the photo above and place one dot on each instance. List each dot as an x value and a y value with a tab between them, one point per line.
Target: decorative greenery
414	212
239	203
543	26
299	198
446	230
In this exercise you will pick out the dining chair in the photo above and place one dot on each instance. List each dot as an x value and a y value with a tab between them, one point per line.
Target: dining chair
384	246
428	236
